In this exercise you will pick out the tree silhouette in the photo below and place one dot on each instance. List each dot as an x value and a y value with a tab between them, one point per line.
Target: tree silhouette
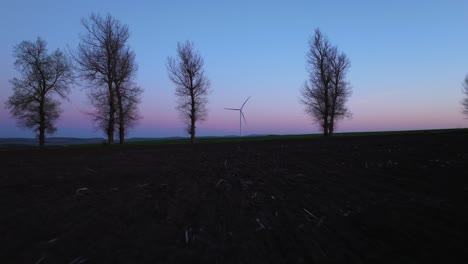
44	77
326	92
106	62
192	87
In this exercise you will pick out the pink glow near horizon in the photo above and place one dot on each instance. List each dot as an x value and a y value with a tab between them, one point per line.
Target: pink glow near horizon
372	115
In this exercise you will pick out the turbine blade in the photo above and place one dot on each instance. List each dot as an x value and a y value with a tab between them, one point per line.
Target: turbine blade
245	102
232	109
242	114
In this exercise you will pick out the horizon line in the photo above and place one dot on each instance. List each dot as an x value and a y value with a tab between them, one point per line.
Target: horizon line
253	135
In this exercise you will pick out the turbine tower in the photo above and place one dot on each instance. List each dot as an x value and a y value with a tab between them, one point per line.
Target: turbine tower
241	115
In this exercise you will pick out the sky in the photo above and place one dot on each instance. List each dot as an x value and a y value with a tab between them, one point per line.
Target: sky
408	60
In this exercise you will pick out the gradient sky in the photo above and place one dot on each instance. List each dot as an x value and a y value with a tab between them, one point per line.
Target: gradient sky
408	60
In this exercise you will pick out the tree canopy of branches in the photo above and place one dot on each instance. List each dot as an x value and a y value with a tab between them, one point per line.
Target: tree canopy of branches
44	77
326	92
464	101
107	63
192	86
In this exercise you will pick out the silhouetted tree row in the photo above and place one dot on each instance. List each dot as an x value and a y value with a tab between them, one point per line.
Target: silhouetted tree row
103	60
105	63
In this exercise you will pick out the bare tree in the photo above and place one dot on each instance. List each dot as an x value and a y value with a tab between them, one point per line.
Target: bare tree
465	99
105	60
192	86
326	92
44	77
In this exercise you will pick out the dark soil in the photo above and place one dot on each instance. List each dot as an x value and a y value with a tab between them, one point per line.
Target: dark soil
374	199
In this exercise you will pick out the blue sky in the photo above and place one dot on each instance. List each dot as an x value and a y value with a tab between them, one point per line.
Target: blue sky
408	60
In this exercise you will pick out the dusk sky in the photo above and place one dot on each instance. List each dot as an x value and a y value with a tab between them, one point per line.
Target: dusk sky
408	60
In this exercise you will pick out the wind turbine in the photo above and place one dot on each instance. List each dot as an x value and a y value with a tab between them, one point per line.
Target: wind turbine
241	115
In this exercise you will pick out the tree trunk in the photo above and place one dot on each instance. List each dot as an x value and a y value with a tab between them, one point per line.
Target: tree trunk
325	130
192	122
121	134
41	123
327	111
333	103
121	116
41	137
325	119
331	125
192	112
111	123
42	133
192	135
